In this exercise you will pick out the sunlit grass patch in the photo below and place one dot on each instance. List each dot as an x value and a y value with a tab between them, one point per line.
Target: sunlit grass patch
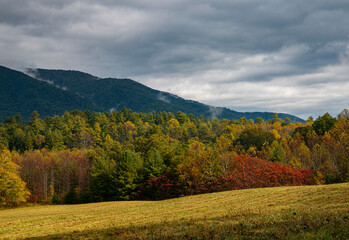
319	212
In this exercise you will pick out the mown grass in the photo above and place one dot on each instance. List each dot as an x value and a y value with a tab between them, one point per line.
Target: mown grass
307	212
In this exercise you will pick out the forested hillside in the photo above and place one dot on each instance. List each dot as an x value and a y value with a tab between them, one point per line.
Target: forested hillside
114	94
23	94
91	156
52	92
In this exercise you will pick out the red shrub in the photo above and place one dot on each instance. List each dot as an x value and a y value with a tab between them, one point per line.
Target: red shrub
254	173
158	188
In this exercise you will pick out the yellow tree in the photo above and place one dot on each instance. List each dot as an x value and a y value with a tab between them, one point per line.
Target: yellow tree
339	146
285	149
12	189
129	130
96	132
226	155
200	166
190	169
174	128
304	154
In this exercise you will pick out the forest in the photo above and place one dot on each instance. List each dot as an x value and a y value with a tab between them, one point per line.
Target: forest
85	156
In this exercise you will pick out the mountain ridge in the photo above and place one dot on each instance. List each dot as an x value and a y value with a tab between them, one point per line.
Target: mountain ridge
108	94
23	94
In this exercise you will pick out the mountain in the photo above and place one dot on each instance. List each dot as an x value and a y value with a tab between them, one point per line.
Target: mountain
60	90
23	94
114	94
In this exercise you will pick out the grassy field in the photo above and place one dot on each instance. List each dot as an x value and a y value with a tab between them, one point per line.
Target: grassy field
307	212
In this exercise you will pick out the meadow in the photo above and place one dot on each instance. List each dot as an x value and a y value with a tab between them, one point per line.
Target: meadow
302	212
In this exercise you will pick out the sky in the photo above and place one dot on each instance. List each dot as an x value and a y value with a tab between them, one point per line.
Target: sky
247	55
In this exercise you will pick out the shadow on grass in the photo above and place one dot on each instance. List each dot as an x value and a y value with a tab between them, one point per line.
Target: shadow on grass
292	225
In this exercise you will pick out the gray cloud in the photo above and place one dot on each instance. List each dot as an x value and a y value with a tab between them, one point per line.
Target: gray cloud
289	56
33	73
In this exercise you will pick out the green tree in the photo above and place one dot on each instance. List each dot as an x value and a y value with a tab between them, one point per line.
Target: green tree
287	121
259	120
324	124
255	137
97	133
153	165
276	153
305	131
126	175
204	132
36	123
54	139
181	117
101	180
71	197
310	120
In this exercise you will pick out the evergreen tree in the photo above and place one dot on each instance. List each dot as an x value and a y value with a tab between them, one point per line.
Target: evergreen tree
126	175
154	165
101	180
324	124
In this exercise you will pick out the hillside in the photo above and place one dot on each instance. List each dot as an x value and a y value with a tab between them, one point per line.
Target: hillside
53	92
23	94
114	94
306	212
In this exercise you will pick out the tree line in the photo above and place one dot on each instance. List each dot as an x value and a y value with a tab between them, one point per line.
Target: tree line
91	156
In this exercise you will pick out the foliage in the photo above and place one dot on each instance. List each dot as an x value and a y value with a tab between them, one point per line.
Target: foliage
255	137
53	172
154	165
252	172
127	155
55	199
305	131
125	175
323	124
158	188
12	188
101	180
71	196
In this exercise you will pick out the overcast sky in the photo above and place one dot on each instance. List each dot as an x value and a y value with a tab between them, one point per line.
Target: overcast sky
275	55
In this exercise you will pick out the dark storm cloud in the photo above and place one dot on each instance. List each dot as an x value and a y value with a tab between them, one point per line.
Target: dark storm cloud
289	56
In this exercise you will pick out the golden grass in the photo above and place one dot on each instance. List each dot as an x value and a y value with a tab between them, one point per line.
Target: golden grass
214	209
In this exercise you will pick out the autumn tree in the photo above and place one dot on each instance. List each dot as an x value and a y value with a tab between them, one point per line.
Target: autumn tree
109	156
255	137
12	189
200	166
174	128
